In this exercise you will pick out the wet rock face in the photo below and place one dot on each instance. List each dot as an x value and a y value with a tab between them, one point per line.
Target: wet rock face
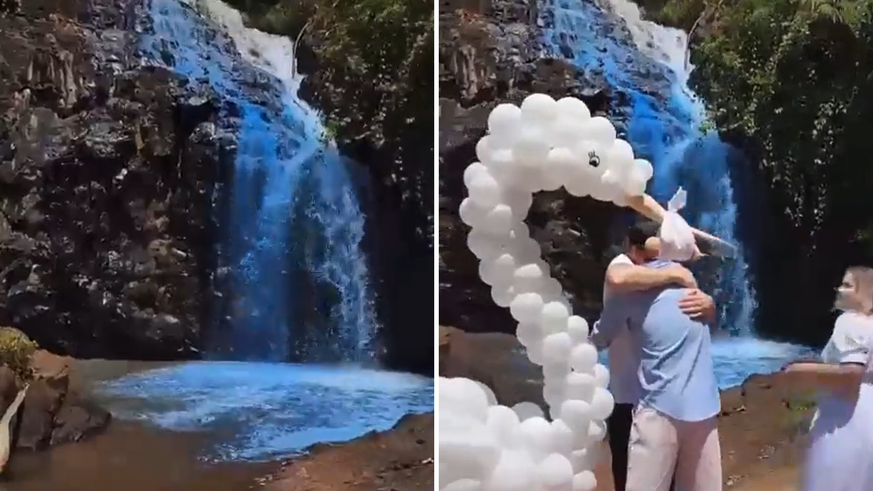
490	53
107	169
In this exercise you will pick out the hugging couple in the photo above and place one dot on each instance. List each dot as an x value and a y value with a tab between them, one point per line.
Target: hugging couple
663	432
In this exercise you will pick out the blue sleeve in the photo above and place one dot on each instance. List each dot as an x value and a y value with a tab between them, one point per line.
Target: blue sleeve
613	318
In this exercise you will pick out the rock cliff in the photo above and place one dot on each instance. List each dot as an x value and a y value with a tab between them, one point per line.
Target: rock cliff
107	171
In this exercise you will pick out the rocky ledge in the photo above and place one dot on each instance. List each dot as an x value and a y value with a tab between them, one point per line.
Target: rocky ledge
761	427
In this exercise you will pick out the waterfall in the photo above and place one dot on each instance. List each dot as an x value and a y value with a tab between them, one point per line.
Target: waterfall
293	228
649	64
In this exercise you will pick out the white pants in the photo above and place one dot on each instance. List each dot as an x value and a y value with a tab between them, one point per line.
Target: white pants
660	445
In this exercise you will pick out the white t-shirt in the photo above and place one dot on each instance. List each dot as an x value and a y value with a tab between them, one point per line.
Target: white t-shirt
850	341
624	358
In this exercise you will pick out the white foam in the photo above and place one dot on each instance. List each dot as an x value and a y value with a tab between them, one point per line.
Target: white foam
271	53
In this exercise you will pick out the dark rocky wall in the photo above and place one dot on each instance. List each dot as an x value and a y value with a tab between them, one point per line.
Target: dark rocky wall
107	171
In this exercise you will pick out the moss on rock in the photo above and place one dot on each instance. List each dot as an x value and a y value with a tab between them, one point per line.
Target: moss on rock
16	351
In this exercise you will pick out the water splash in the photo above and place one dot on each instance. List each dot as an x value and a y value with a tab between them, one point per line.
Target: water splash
294	228
648	64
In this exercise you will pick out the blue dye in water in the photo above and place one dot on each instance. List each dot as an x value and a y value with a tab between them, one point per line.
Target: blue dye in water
260	411
664	126
292	240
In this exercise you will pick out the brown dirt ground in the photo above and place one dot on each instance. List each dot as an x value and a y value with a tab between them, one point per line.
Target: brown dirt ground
397	460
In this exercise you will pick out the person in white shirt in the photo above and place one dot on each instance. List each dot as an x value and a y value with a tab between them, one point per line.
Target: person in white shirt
624	274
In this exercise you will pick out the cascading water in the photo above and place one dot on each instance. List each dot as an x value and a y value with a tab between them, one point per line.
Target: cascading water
294	227
648	66
294	230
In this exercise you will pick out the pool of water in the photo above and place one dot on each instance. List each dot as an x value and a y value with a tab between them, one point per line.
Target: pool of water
738	358
262	411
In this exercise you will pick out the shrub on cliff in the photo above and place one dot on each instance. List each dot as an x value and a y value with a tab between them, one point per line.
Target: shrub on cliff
16	351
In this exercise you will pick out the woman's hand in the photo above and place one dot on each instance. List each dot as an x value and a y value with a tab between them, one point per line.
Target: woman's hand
698	305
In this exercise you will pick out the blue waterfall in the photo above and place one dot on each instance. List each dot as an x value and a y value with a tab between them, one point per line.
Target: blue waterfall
292	227
663	125
646	66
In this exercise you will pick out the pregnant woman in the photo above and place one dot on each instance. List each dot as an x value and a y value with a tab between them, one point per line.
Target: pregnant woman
840	456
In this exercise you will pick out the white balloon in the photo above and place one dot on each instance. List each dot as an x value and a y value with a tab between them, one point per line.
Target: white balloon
555	473
557	347
502	270
577	328
519	201
528	278
514	472
528	333
527	410
558	164
601	404
573	108
554	318
565	131
596	431
526	307
580	386
498	220
536	435
462	485
555	371
472	453
534	352
464	396
577	415
583	357
471	213
472	171
484	190
600	130
538	109
489	394
484	245
483	149
601	375
530	151
562	438
552	289
584	481
502	296
504	119
643	168
502	422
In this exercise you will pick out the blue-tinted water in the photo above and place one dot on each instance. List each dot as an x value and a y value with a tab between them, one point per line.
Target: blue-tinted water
262	411
292	235
645	66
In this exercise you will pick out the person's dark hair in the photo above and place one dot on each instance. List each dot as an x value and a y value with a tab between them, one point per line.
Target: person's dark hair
641	231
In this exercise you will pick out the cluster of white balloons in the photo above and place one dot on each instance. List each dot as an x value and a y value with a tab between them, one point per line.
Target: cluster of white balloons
484	446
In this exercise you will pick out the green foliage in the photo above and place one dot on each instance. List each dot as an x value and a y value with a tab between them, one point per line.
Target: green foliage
16	350
792	77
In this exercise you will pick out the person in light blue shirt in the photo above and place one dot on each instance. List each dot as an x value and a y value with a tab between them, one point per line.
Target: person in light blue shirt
675	423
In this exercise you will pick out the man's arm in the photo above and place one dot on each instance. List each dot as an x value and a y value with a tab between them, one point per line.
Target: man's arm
613	318
628	277
699	306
